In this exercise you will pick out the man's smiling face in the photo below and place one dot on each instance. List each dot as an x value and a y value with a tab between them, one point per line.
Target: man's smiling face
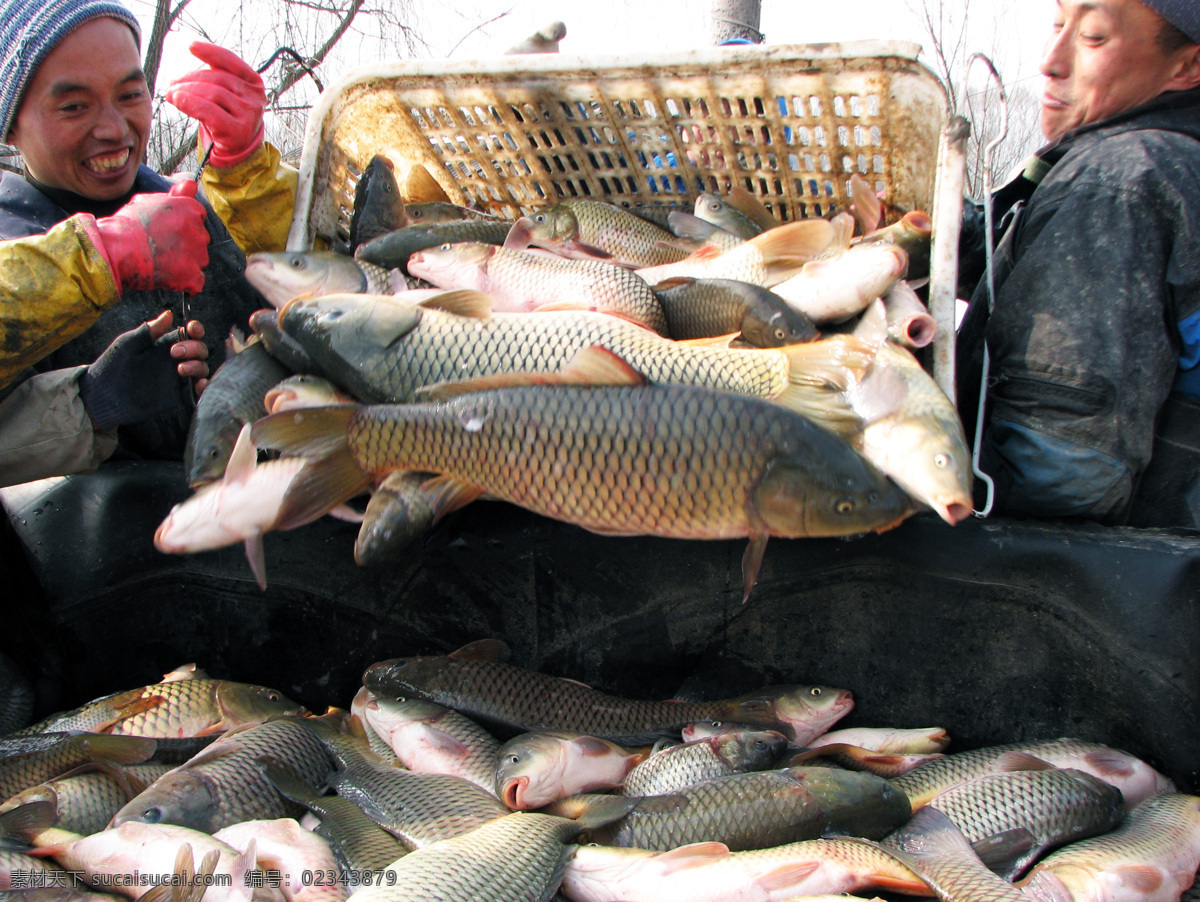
85	118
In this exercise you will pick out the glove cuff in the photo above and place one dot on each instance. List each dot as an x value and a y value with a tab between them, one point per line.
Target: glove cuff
224	158
87	224
104	406
125	244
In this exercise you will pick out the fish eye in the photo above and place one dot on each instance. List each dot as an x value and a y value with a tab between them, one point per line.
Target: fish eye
815	692
273	696
941	461
845	506
152	815
539	217
296	262
759	744
513	759
445	247
780	334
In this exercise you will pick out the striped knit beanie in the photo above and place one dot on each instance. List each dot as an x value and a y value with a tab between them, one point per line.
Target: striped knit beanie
30	29
1183	14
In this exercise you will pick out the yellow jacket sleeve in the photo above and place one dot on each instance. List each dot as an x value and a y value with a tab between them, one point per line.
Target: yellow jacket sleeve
254	199
52	288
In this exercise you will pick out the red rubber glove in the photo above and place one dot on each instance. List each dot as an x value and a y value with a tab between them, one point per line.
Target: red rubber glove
157	241
227	99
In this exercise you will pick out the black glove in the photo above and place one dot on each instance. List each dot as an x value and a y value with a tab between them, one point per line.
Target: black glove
135	379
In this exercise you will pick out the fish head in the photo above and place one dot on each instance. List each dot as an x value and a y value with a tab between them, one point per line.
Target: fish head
391	716
196	524
183	796
241	703
877	267
281	276
303	390
808	711
549	228
794	500
749	750
530	770
775	325
597	872
344	326
403	677
928	457
432	212
210	441
453	264
378	205
707	729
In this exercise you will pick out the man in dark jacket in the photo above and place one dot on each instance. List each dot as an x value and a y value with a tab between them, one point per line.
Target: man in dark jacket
1093	338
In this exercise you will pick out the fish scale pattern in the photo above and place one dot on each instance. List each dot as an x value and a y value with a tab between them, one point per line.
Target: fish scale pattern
1163	832
418	809
526	700
683	463
757	810
1055	805
544	280
520	856
627	237
675	768
234	778
923	783
816	866
415	724
685	765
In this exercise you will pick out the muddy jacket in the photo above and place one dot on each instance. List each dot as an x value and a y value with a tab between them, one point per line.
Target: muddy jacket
1096	320
78	312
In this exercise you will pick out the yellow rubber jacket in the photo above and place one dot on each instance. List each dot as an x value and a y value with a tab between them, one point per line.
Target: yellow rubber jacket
71	282
254	199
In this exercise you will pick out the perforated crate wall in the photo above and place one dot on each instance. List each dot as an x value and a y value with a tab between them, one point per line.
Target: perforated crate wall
514	134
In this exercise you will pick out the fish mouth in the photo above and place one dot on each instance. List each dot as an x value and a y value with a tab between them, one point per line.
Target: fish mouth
513	793
520	236
275	399
953	512
919	220
919	330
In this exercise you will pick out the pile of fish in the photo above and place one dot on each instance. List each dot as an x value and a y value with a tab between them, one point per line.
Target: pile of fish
465	777
721	376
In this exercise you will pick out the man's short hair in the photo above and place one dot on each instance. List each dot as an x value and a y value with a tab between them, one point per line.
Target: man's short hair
1170	38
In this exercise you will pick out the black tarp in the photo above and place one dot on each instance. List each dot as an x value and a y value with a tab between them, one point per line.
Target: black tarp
997	630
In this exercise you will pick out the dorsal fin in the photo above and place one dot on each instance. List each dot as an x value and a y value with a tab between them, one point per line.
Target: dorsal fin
799	241
463	302
487	651
843	231
749	205
867	208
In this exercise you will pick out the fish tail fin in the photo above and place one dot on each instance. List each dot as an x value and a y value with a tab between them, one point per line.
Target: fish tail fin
331	476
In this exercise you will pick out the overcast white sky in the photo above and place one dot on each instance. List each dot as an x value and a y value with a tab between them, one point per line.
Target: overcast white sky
1010	31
